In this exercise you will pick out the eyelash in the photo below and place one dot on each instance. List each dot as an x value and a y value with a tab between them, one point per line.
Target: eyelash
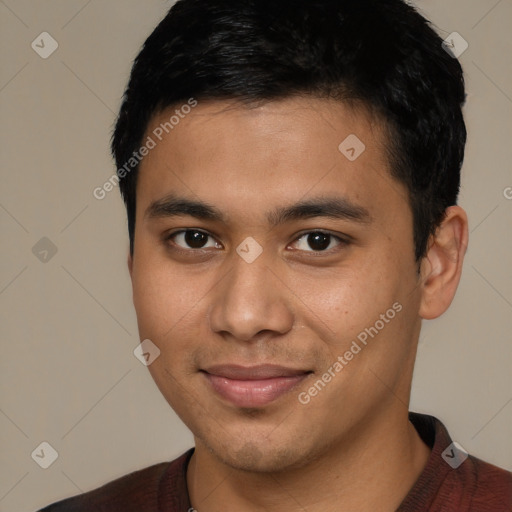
342	241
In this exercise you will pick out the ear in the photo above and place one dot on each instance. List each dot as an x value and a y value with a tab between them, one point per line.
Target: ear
441	267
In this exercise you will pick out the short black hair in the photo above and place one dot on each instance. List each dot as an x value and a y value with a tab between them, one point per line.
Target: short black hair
380	53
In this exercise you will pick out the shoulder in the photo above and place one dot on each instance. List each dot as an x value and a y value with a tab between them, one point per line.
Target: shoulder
140	490
454	480
491	486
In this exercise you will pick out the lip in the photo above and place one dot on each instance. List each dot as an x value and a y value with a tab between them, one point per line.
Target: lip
253	386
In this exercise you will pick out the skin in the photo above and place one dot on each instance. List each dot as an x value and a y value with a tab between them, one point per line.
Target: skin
351	447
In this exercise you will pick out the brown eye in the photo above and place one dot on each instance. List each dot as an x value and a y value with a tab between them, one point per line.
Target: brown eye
318	241
196	239
193	239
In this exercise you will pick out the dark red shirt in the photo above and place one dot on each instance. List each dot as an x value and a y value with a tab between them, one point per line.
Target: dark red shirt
450	482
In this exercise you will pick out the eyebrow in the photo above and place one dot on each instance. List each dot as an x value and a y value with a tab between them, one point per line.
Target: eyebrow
331	207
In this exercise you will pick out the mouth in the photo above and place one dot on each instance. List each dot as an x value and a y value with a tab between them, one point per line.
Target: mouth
253	386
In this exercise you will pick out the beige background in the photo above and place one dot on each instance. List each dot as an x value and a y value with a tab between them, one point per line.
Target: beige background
68	373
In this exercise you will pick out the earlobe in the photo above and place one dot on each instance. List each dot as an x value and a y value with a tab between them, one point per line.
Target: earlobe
441	267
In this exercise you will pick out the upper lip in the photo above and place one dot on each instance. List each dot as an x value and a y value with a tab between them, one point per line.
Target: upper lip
263	371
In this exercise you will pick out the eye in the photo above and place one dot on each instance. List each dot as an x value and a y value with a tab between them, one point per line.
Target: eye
318	241
193	239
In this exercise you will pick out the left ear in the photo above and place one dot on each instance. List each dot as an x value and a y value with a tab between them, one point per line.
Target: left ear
441	267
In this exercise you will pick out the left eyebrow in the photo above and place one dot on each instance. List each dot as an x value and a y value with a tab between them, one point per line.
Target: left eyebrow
331	207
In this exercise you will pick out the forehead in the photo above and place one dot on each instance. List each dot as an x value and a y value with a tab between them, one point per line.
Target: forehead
245	158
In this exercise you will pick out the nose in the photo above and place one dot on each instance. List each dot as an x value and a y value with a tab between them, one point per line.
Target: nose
250	301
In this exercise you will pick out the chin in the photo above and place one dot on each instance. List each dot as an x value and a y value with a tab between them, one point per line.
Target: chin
258	456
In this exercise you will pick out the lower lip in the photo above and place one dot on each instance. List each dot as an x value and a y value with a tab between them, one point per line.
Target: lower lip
253	393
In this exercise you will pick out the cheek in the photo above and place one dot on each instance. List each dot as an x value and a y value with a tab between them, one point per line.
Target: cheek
161	296
347	300
166	307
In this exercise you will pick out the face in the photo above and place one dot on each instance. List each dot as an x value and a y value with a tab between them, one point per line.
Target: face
276	274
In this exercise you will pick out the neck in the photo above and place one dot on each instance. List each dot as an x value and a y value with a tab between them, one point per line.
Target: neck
372	468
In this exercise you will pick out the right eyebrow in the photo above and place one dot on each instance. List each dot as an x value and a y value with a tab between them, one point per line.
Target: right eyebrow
172	206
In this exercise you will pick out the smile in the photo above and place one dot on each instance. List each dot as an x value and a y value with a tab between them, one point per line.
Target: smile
253	386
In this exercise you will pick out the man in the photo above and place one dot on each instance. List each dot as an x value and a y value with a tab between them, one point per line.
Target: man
290	171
